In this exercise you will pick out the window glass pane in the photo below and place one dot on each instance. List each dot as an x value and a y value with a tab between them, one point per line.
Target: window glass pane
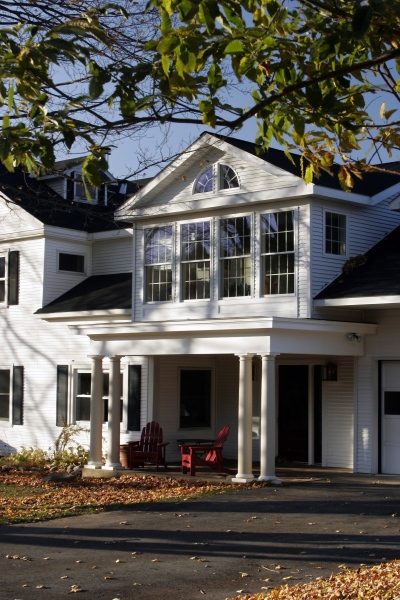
71	262
277	251
335	234
235	234
195	398
84	386
2	266
392	403
236	277
2	291
80	192
83	408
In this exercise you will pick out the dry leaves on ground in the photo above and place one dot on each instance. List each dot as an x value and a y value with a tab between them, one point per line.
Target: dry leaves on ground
40	500
381	582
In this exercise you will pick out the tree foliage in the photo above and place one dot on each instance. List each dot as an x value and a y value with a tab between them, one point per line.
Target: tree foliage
319	76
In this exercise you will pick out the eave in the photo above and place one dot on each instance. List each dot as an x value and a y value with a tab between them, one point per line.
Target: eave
365	302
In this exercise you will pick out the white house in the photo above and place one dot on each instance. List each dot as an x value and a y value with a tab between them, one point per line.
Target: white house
205	306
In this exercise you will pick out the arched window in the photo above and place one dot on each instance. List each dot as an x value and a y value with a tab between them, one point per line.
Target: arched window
215	178
204	182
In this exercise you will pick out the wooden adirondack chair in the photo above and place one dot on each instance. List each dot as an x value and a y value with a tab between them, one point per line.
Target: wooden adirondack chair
150	448
206	455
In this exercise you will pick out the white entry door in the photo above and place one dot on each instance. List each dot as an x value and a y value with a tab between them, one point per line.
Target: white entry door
391	418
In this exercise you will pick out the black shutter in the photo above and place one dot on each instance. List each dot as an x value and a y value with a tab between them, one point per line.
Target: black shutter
13	277
70	185
62	395
134	382
18	396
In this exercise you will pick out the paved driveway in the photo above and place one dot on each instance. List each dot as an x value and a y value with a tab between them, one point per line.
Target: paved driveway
208	548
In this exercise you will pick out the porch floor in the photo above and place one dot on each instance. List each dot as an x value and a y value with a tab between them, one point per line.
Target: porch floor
290	472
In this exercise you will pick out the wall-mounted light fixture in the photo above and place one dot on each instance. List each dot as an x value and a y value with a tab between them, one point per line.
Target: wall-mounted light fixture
330	371
353	337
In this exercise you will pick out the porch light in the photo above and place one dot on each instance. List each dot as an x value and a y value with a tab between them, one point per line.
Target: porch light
330	371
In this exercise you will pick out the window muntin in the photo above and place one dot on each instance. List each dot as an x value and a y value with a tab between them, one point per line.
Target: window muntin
5	378
216	177
277	252
158	263
82	404
3	278
335	234
235	256
75	263
195	257
195	398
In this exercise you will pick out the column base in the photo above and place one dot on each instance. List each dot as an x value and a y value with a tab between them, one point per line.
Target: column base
93	465
270	479
243	478
113	467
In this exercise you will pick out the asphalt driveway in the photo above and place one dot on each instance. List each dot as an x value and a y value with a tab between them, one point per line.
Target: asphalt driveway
210	548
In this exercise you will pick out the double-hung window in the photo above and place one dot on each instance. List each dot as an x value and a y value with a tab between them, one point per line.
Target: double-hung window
277	252
235	256
82	408
12	395
335	234
5	381
195	257
9	278
158	263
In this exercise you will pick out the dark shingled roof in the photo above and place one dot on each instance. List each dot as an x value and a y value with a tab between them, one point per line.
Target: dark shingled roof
379	276
370	184
39	200
99	292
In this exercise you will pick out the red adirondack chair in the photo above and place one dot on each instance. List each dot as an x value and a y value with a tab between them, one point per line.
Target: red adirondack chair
206	455
150	448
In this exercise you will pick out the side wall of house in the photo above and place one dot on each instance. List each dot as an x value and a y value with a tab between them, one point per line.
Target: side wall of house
367	225
112	255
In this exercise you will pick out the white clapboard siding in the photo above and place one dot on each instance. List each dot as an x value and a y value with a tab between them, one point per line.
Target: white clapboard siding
55	282
251	179
38	346
14	220
367	225
338	420
58	185
303	261
113	255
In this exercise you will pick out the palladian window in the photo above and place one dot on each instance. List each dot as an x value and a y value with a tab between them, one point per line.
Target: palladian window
216	177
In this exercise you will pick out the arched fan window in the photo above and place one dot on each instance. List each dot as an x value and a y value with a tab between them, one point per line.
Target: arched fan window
215	178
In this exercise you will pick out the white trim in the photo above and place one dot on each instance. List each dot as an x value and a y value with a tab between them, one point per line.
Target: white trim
389	301
90	315
5	254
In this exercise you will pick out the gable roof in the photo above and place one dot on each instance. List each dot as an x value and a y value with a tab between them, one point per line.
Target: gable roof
48	207
98	292
370	184
377	277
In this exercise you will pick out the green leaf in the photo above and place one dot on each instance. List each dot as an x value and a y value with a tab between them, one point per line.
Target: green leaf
11	98
309	173
234	47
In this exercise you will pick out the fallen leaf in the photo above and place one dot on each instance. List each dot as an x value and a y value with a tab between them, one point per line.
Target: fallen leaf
244	574
75	589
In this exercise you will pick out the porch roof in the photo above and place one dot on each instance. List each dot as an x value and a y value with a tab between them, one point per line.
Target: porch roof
96	293
375	281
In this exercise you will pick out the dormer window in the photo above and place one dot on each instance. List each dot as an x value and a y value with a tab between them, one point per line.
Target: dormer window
215	178
80	191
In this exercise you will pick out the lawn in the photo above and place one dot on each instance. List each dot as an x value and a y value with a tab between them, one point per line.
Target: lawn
25	497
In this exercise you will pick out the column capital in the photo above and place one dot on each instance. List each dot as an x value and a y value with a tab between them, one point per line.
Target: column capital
268	355
245	355
96	356
115	357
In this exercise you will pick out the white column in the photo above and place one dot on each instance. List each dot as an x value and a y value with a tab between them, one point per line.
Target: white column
114	414
96	416
268	422
245	443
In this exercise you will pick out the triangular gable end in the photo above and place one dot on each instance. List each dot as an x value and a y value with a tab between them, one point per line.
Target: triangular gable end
181	174
15	220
